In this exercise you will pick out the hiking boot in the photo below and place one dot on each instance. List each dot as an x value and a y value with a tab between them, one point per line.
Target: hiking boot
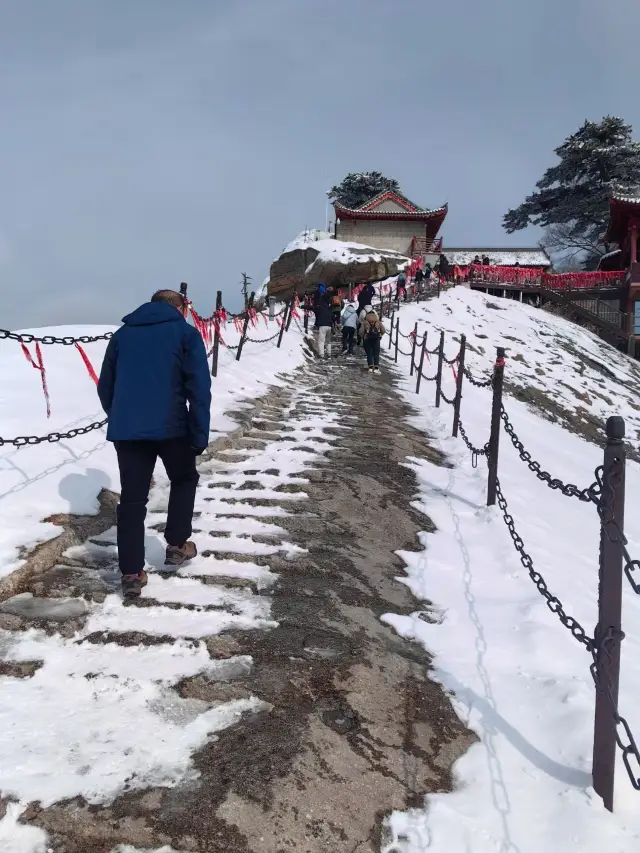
132	584
177	555
371	370
376	369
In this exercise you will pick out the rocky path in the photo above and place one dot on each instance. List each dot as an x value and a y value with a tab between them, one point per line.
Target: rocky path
324	719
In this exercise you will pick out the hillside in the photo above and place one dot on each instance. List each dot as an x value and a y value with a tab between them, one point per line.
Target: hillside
520	680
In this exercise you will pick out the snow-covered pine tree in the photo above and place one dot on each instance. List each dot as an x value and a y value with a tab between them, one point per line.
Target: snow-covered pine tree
572	197
359	187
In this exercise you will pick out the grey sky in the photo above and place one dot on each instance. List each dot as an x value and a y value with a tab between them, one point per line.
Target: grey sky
145	142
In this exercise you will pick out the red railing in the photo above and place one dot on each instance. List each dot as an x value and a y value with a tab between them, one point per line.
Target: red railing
518	276
421	246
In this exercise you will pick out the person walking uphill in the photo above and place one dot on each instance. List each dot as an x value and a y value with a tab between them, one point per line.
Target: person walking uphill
155	388
371	332
349	326
324	321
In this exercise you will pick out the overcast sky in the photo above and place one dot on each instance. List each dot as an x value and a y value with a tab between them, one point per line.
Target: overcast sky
145	142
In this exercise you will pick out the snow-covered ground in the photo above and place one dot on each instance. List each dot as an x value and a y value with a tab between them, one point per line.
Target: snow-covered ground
66	477
518	677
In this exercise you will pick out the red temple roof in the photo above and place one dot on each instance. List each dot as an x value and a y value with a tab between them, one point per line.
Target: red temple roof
622	210
433	219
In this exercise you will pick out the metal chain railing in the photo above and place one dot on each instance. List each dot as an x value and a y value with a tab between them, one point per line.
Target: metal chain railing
52	437
553	602
588	495
616	535
261	340
485	383
475	451
51	339
602	649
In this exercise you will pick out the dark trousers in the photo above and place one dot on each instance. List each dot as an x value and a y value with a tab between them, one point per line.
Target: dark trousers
348	335
372	349
136	460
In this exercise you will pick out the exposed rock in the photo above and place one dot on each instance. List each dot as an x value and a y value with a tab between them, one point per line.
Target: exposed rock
302	268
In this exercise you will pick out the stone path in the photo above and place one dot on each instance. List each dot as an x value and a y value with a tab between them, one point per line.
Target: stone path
325	719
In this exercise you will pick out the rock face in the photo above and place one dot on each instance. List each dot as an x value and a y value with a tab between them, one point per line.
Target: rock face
331	262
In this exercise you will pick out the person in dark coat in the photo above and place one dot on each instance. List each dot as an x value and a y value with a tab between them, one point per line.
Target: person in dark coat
443	267
477	260
419	278
486	260
365	297
155	388
324	321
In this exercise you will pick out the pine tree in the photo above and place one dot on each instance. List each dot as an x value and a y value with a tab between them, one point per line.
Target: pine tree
359	187
572	197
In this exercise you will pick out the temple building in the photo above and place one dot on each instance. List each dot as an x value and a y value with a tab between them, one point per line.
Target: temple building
391	221
623	229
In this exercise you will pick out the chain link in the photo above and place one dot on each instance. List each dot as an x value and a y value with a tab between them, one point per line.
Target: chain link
610	524
553	603
589	495
261	340
451	361
603	648
52	437
475	451
446	399
51	339
478	383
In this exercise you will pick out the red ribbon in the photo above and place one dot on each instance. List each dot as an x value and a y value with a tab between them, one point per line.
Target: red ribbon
555	281
455	375
38	366
87	363
294	308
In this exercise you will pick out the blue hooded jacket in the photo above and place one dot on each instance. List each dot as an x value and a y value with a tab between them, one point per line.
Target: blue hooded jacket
155	382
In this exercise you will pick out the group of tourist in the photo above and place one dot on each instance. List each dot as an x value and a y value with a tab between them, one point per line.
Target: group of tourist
359	322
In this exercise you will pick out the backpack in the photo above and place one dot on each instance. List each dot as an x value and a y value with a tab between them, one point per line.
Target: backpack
336	301
372	329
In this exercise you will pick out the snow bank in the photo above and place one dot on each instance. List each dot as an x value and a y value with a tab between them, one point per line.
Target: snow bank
39	481
519	679
338	250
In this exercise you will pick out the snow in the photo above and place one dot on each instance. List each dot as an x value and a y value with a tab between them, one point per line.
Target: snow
39	481
518	678
66	731
338	250
499	257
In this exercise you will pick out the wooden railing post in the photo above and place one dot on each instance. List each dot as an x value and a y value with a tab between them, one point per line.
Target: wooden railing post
608	633
421	365
413	347
496	417
458	397
216	334
245	326
439	373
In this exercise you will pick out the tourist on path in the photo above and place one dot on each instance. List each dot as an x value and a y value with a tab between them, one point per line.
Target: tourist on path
155	388
371	332
401	287
324	319
365	297
349	326
337	304
444	267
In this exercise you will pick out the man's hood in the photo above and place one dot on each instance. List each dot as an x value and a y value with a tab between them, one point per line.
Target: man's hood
152	313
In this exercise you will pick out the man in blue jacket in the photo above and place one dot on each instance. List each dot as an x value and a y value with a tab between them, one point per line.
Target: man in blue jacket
156	390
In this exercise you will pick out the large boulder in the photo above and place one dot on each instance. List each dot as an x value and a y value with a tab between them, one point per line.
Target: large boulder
304	264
